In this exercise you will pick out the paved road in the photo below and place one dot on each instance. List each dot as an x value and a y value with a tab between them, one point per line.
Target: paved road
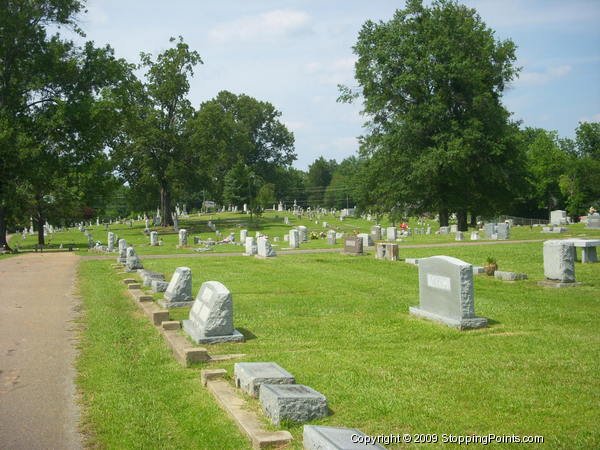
319	250
37	408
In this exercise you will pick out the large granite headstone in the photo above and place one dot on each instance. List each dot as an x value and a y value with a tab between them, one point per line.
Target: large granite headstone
179	291
446	293
154	238
211	317
559	263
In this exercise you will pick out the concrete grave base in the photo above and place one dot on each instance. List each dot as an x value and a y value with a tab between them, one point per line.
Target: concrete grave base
509	276
464	324
193	333
334	438
413	261
557	284
264	257
246	419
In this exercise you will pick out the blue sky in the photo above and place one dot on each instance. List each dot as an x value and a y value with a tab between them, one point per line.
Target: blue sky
294	53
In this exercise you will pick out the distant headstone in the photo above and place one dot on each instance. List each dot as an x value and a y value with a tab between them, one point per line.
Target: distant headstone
353	245
243	235
453	228
248	376
474	235
318	437
211	317
183	238
376	233
428	230
148	276
303	233
489	230
593	222
503	231
459	236
111	241
293	402
558	217
286	220
387	251
264	248
331	237
446	293
367	239
179	291
122	258
444	230
154	238
392	233
294	239
250	246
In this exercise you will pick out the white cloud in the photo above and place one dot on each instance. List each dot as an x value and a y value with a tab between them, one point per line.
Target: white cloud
264	27
338	71
538	78
346	143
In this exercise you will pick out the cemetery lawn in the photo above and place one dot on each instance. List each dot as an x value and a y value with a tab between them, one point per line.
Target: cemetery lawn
340	324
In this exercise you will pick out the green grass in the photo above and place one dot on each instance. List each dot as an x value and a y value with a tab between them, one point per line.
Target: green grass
134	393
340	324
270	224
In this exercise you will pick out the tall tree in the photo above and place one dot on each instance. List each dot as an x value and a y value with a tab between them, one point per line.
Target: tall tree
232	128
431	80
154	150
54	121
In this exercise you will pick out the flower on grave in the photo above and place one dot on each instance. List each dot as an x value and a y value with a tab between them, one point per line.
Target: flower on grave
592	210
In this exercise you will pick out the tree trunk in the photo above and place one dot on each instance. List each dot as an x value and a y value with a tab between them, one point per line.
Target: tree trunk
40	221
443	213
3	242
165	207
473	220
461	215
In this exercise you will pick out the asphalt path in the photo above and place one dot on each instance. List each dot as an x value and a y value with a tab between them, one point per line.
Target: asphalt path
37	352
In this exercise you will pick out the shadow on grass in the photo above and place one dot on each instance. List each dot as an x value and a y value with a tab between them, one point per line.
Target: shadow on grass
248	335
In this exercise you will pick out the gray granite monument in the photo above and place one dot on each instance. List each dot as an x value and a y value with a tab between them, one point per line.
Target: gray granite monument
211	317
179	291
446	293
249	376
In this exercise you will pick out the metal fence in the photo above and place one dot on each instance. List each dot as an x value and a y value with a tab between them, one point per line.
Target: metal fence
522	220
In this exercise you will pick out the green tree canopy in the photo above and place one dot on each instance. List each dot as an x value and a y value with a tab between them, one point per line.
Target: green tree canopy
431	81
